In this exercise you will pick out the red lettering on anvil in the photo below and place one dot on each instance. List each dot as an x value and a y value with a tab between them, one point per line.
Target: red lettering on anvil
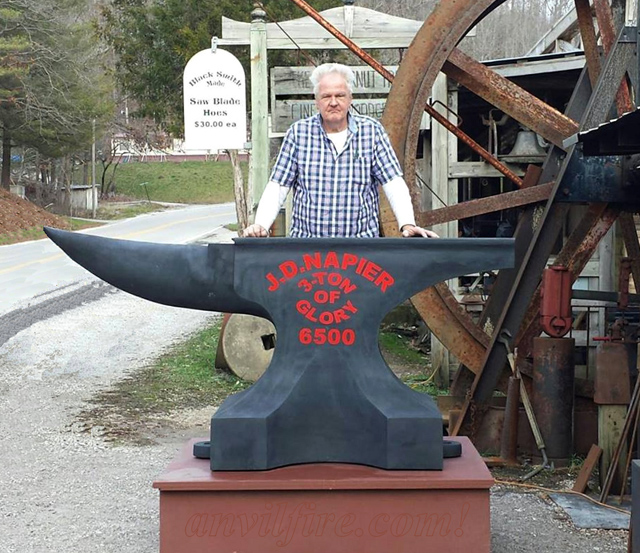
331	260
288	269
305	308
335	316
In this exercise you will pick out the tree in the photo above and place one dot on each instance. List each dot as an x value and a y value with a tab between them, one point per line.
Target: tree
153	40
14	61
50	88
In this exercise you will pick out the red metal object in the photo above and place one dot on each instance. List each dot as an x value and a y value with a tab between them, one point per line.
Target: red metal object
574	255
325	507
555	307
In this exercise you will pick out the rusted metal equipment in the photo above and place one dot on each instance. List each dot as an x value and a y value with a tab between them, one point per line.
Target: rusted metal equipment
555	309
509	442
567	177
552	398
504	338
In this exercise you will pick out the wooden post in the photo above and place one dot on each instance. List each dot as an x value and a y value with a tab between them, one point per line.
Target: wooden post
238	192
610	423
612	395
444	149
259	107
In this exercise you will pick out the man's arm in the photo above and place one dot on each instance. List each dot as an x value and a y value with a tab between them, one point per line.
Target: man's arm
271	201
398	195
283	177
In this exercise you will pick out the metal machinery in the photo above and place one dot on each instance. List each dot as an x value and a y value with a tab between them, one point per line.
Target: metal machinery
593	192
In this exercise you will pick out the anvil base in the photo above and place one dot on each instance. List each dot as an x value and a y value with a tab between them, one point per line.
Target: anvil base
325	507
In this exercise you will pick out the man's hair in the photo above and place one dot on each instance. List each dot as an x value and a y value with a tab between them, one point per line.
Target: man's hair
325	69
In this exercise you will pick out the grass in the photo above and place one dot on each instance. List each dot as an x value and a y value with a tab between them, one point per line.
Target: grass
36	233
397	345
190	182
185	377
423	384
182	378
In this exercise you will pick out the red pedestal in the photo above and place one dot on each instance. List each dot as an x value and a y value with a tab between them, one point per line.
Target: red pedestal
322	508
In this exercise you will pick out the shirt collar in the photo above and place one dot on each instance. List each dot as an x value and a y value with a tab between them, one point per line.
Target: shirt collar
352	124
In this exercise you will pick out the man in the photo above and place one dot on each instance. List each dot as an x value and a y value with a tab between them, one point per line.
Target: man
334	161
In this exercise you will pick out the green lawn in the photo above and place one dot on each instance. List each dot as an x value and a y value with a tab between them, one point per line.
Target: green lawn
191	182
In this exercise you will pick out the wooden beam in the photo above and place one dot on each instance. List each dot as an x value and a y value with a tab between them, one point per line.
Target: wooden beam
587	469
479	169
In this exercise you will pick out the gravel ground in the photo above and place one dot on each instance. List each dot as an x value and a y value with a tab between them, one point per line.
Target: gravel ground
66	490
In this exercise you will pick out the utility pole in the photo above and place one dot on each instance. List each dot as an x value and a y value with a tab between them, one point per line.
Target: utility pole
94	200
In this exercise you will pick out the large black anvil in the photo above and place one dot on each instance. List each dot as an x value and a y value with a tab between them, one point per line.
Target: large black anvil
328	395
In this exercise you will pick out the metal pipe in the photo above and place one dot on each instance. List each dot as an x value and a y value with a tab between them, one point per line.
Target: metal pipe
553	383
368	59
509	441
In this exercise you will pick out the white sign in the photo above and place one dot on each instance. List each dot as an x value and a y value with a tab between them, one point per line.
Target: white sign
215	105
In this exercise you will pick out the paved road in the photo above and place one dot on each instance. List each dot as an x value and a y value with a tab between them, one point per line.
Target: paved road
37	279
64	334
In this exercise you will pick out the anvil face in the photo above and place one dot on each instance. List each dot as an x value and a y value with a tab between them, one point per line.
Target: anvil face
328	395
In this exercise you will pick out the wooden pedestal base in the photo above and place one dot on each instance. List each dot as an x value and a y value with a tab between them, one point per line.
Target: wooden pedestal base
322	508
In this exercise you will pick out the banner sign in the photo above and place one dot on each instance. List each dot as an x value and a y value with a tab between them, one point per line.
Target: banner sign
215	110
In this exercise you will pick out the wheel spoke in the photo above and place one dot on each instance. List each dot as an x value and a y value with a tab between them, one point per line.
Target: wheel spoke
512	99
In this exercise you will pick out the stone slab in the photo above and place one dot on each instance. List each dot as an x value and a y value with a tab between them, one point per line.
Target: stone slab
317	508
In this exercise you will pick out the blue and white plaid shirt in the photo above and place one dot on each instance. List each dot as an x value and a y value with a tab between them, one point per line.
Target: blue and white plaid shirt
335	194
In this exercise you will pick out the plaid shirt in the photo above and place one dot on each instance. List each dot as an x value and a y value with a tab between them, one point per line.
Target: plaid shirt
335	194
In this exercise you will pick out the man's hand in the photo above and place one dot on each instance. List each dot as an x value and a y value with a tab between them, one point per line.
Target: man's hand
411	230
255	231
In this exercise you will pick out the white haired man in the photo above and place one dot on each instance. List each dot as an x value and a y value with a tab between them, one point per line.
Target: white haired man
334	161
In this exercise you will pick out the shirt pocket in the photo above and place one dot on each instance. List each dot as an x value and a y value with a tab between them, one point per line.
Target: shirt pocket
362	171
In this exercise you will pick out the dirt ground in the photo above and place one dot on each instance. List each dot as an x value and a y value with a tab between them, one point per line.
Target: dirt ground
18	214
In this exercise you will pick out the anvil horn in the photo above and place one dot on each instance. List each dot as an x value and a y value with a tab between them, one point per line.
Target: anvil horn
197	277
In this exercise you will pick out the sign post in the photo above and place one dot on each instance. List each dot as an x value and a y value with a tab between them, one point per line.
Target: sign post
259	107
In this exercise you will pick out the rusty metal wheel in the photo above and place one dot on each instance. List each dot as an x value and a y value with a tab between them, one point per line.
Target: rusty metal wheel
434	50
514	301
433	45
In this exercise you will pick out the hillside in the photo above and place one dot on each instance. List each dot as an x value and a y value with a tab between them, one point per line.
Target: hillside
17	214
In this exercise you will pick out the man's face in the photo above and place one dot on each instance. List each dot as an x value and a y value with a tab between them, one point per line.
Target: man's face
333	101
